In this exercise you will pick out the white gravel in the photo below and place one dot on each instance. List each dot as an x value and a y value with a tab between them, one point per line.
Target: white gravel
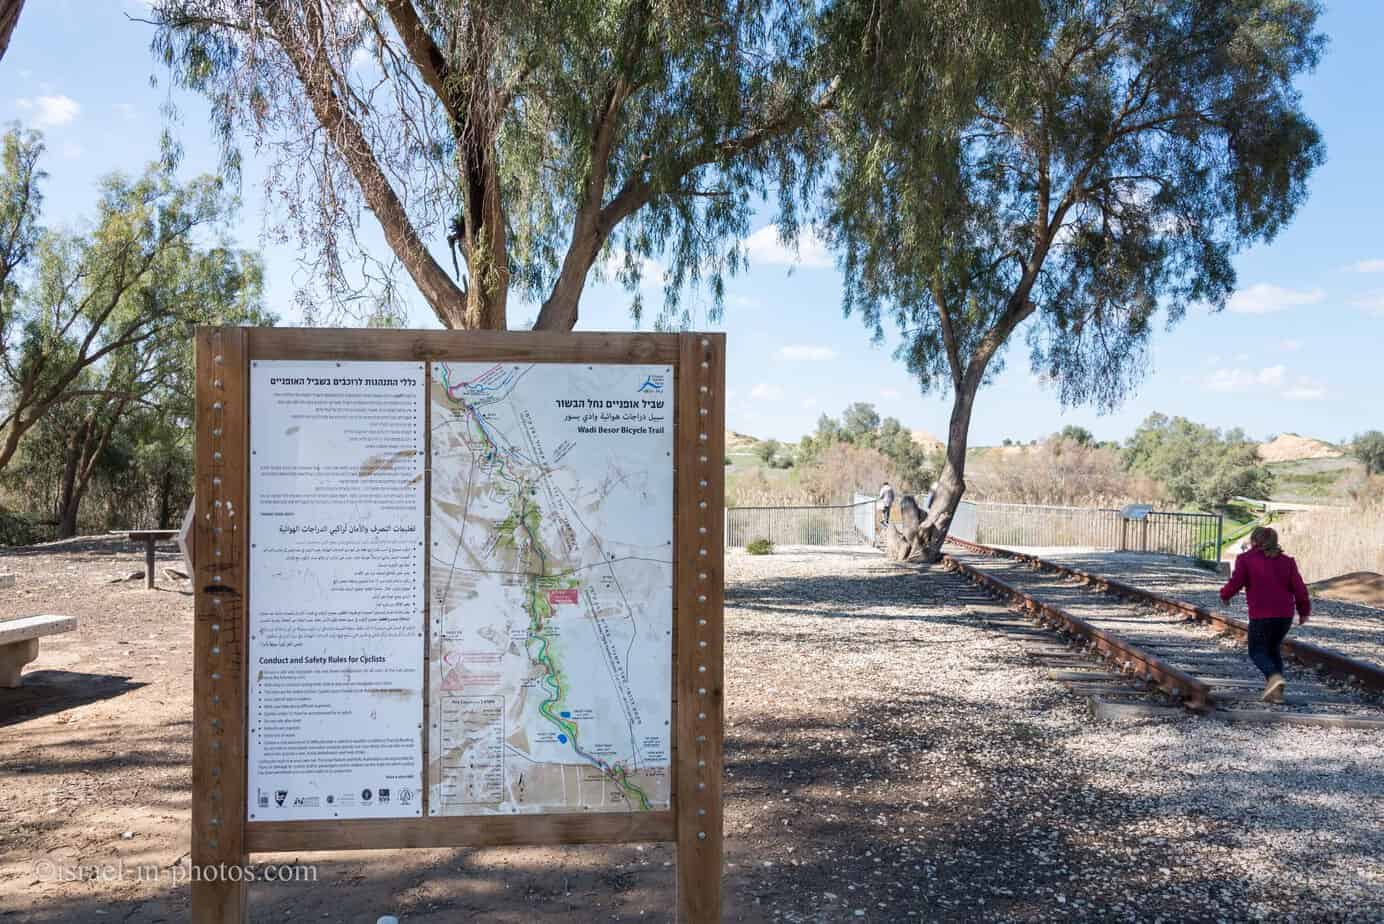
887	754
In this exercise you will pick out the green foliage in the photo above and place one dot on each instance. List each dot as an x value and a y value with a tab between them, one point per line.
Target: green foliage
21	202
1107	166
1074	434
760	547
16	528
859	422
1197	465
766	450
861	426
1368	447
94	332
543	139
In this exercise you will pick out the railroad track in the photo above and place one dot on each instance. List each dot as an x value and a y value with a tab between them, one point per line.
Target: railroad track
1157	644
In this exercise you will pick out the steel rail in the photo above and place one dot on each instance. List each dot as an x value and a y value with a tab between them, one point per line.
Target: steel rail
1193	693
1332	662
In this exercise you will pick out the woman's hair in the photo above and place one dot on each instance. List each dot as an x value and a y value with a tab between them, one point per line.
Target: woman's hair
1265	540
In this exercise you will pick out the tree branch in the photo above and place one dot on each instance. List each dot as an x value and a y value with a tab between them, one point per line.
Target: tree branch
313	69
426	56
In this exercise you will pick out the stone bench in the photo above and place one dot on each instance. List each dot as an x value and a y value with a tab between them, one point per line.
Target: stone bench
19	642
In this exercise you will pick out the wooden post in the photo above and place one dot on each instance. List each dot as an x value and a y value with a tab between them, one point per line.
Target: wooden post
219	633
148	562
700	454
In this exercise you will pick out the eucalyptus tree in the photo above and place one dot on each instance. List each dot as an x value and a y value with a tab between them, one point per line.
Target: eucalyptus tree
1106	168
541	139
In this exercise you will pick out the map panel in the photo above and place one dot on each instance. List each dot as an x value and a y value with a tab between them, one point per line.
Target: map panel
552	588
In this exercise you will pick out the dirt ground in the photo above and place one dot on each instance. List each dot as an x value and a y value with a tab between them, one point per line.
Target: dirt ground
888	760
1364	587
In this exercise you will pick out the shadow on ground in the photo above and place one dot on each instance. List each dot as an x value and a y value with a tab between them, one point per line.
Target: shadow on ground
48	691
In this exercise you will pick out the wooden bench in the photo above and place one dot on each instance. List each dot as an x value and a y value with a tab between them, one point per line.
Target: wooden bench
19	642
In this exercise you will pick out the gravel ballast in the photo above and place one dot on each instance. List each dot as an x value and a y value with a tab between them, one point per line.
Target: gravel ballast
890	756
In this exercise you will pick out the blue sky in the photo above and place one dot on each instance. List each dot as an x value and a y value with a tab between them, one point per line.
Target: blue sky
1299	349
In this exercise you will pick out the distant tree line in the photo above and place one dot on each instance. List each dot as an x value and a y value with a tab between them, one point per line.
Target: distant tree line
861	426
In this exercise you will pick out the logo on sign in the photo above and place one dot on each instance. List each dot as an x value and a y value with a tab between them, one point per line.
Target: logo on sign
406	796
653	383
279	796
568	596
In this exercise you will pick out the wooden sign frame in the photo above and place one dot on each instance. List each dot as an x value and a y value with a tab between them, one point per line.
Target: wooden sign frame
221	834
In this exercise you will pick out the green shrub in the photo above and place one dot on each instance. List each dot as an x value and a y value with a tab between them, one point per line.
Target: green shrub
760	547
16	529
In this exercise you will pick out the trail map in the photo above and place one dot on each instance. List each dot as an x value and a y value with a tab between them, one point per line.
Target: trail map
552	588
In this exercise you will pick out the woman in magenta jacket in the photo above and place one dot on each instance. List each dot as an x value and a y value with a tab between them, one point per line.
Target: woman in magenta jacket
1273	589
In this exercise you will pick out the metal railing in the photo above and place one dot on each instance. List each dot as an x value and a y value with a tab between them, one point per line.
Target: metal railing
1194	535
847	524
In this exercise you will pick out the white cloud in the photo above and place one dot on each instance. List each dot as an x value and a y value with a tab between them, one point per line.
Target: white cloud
127	111
1232	380
50	111
764	246
1305	390
1271	379
1265	298
71	150
809	403
890	394
1367	266
806	352
763	392
1290	345
1373	302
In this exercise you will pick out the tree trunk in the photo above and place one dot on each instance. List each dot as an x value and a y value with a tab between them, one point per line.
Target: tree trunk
9	18
69	498
951	485
559	310
165	492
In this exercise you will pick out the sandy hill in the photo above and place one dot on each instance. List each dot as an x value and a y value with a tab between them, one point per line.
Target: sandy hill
926	440
1289	447
739	442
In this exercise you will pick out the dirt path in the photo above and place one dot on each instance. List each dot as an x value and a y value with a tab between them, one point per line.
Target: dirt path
887	760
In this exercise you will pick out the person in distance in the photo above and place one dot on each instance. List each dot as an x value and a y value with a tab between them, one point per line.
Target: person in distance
1273	589
886	500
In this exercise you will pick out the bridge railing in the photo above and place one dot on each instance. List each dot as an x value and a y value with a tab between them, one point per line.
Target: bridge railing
1193	535
846	524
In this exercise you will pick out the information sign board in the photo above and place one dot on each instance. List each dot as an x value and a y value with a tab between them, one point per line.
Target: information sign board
457	589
